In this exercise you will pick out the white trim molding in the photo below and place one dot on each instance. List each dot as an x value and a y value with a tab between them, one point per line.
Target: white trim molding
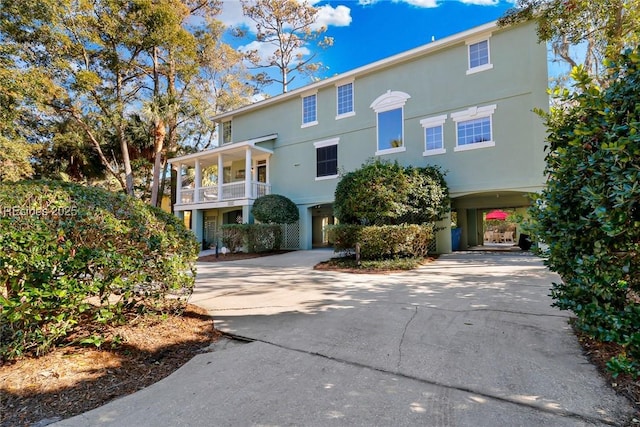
327	142
390	100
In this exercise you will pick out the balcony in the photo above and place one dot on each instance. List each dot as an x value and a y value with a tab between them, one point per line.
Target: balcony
230	191
231	175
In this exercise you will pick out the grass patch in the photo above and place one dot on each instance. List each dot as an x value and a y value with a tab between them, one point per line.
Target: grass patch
373	266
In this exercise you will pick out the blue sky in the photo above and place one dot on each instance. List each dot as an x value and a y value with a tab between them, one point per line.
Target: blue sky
365	31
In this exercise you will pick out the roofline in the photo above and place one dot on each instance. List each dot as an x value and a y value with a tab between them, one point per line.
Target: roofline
248	143
366	69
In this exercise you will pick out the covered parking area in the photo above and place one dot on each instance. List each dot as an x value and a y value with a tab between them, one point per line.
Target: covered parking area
468	213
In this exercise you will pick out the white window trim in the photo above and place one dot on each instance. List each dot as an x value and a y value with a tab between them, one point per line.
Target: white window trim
391	150
321	144
323	178
326	143
433	122
483	67
221	141
353	99
390	100
473	113
302	97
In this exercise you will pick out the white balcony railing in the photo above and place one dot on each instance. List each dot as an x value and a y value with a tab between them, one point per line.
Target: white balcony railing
230	191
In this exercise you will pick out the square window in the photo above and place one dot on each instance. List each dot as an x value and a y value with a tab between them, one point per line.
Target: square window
474	131
327	161
479	54
309	109
390	129
345	99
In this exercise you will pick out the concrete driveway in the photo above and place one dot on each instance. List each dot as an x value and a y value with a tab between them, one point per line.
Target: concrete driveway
469	340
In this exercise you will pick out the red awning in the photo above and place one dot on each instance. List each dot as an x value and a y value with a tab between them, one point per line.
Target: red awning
497	214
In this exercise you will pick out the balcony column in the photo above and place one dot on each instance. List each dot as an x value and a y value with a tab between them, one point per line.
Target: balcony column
247	173
197	183
179	184
220	176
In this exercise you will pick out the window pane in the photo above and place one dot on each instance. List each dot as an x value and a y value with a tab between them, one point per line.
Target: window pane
309	109
390	129
345	98
474	131
478	54
433	138
327	161
226	132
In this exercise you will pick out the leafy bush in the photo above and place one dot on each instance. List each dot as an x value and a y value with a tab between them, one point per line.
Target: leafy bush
382	242
589	212
71	252
275	209
255	237
386	193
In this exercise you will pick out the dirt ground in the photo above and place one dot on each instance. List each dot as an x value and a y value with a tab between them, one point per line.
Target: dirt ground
72	380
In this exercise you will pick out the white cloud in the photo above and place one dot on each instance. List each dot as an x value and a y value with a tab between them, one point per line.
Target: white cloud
422	3
328	15
481	2
339	16
232	14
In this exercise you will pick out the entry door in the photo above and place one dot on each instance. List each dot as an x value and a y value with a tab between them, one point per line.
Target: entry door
262	173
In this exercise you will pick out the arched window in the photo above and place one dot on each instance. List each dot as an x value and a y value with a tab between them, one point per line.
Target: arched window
389	109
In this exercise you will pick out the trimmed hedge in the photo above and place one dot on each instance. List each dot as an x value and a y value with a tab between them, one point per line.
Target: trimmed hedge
74	254
254	237
380	242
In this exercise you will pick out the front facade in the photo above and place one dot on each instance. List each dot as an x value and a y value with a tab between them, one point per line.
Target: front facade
463	103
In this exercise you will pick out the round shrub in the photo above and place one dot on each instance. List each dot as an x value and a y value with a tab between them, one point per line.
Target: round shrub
385	193
275	209
74	254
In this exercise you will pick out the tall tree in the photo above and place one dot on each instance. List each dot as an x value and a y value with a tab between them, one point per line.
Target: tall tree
288	25
98	62
581	32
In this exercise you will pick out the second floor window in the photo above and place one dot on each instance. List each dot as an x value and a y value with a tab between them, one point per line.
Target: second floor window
345	99
389	108
326	158
434	135
474	128
390	132
309	110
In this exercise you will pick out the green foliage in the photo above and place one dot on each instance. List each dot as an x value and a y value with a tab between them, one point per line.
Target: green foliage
387	193
383	242
589	212
275	209
254	237
75	254
601	28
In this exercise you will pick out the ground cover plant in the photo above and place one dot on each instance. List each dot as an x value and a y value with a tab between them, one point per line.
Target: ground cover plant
76	256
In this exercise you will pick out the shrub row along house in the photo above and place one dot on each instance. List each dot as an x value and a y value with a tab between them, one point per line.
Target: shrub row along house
463	103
